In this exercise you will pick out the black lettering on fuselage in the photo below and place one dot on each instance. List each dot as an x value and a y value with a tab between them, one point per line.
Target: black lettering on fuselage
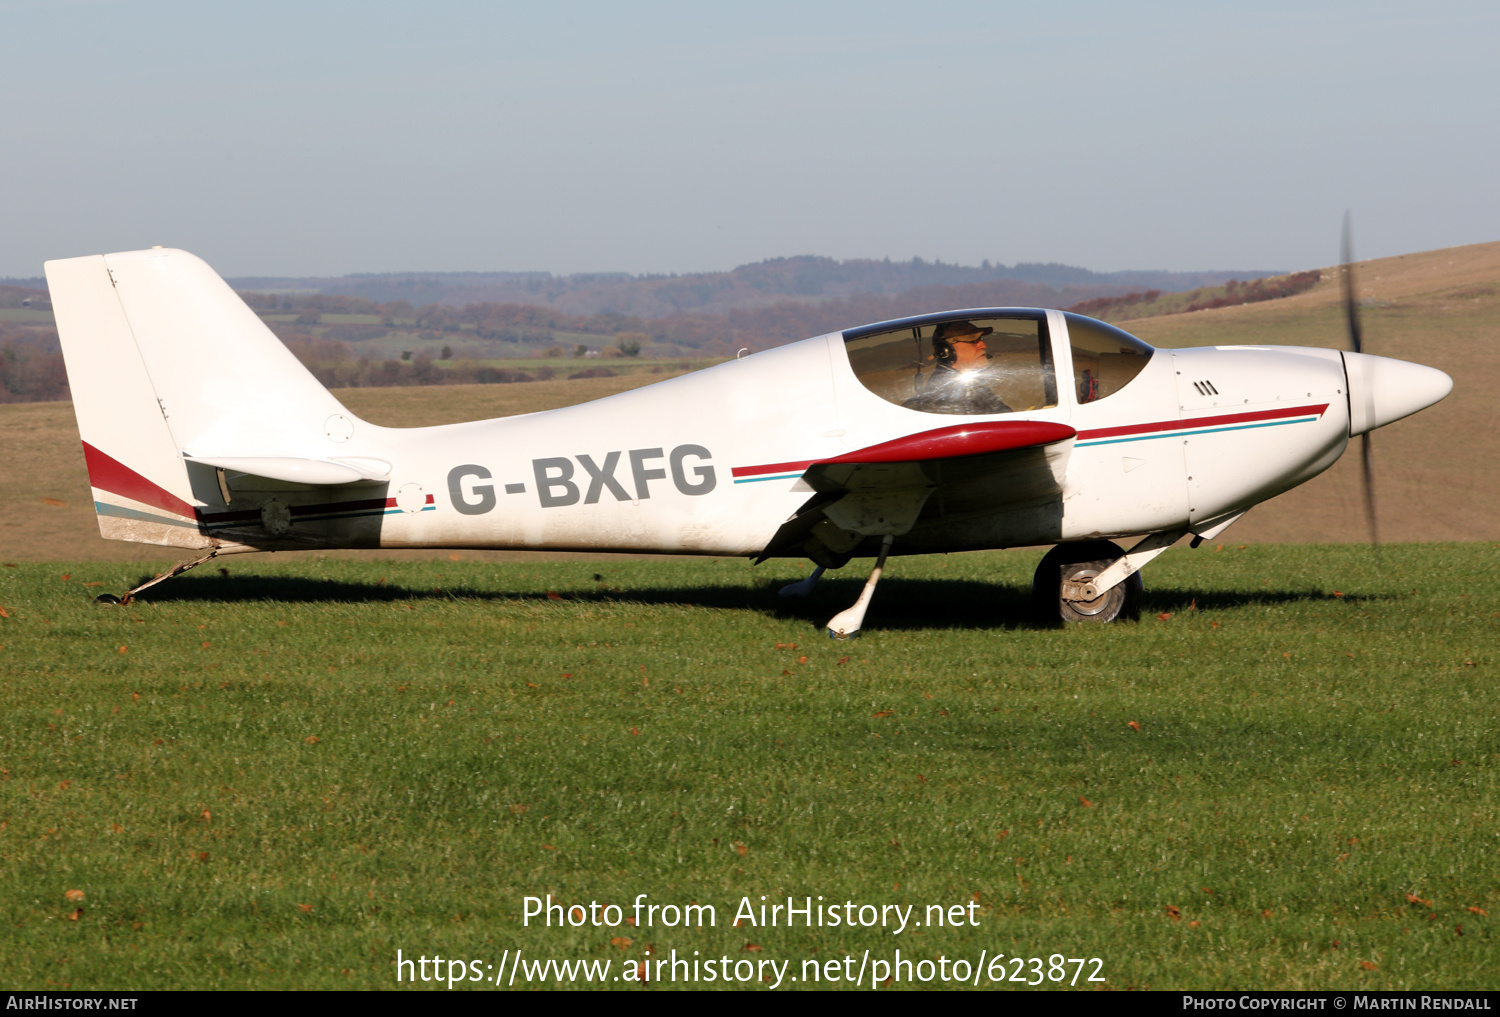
556	488
638	457
601	477
705	474
548	481
484	493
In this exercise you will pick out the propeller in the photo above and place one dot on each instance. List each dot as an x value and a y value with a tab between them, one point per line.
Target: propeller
1356	343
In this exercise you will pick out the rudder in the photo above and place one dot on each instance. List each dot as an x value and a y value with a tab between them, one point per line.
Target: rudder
166	362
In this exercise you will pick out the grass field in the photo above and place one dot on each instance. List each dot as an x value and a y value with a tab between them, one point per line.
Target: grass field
279	777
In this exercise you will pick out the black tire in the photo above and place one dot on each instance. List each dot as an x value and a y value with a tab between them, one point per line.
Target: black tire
1084	560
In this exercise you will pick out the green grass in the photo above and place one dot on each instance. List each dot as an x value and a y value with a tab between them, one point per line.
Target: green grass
372	756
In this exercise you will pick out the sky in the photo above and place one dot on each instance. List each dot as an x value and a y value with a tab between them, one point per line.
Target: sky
320	138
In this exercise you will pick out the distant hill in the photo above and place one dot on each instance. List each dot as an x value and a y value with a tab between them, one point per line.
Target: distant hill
805	278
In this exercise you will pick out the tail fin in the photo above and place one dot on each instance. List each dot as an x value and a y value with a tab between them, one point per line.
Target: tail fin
166	364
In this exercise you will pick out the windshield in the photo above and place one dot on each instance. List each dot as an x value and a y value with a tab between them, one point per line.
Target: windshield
1105	358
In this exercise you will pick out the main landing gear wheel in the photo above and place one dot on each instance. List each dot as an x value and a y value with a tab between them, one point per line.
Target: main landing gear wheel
1084	561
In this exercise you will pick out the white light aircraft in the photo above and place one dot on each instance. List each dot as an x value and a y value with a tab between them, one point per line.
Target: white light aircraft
972	429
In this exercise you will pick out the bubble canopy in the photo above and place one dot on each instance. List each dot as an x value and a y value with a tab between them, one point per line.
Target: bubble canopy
989	361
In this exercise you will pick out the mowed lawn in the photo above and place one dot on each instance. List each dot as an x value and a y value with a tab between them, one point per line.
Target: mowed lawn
279	777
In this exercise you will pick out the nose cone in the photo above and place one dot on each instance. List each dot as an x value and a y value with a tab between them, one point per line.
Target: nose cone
1382	390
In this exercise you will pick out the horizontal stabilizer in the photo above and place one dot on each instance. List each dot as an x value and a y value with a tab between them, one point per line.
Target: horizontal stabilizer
300	471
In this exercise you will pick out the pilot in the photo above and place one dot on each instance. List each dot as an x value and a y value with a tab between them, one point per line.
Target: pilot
961	381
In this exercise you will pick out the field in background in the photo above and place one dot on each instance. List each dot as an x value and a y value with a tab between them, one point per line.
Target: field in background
1438	473
279	777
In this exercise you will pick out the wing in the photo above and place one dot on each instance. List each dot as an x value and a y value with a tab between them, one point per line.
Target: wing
884	488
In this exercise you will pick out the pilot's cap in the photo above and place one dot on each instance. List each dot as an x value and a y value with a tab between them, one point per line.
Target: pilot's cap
950	330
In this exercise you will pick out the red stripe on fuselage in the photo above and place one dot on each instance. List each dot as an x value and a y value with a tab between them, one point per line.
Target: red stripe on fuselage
1181	425
109	474
756	471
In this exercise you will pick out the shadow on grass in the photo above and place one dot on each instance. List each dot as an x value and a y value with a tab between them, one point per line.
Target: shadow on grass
1169	599
900	604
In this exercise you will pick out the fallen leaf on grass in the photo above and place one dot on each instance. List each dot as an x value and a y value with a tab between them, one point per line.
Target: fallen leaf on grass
305	908
532	685
1194	924
74	895
553	595
1174	913
77	914
1368	966
786	646
1205	889
1412	898
311	740
802	660
4	613
124	649
93	584
1086	803
548	847
1002	835
568	674
635	731
1480	911
1164	616
1133	726
752	947
1338	593
620	942
883	713
518	809
842	660
741	849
